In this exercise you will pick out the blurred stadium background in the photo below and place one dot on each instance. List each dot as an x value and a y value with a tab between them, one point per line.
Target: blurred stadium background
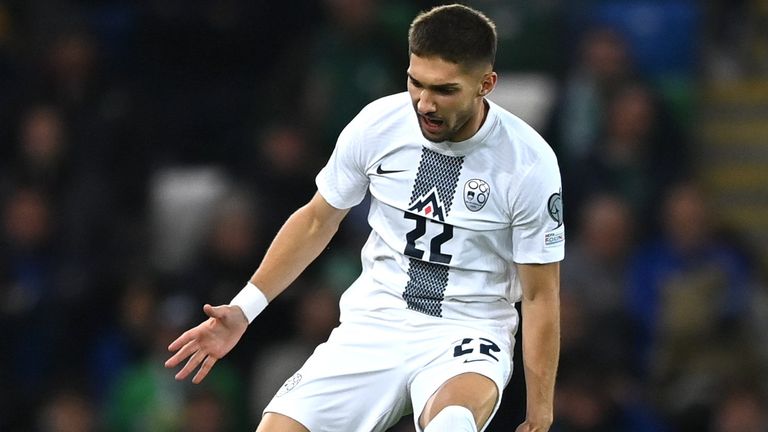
149	151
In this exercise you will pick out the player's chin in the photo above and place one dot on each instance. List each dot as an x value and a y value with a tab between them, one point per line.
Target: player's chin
434	136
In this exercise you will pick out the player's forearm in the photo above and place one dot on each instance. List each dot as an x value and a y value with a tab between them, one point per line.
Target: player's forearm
541	350
301	239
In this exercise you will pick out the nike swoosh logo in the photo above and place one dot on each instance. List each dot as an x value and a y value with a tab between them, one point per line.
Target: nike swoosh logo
383	171
475	360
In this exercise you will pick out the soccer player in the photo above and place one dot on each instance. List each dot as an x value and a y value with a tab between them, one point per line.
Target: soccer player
466	220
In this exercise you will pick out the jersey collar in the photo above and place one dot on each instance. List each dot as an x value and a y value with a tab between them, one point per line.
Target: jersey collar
461	148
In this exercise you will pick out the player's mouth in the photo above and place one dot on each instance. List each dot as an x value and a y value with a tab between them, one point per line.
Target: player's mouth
431	125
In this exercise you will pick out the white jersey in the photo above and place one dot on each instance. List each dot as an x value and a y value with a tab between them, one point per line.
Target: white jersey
450	219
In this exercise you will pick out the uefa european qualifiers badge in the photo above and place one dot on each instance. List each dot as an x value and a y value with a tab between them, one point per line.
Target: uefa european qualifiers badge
476	193
555	209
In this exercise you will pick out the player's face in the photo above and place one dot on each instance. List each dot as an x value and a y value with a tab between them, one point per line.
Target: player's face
448	99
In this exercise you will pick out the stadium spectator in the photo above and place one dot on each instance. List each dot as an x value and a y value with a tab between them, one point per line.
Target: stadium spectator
636	157
595	271
32	319
603	65
689	294
68	410
741	408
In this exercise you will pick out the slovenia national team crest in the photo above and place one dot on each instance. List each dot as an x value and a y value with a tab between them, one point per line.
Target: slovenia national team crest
476	194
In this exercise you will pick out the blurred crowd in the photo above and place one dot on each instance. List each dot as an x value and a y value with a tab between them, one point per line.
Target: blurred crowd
150	150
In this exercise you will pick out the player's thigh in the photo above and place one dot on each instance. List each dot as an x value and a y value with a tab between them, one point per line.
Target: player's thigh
471	390
471	371
355	381
274	422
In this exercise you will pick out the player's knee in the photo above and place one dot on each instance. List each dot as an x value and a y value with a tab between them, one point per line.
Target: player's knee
453	418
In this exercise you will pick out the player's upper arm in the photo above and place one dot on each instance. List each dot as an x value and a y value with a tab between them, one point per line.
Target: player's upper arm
322	213
539	280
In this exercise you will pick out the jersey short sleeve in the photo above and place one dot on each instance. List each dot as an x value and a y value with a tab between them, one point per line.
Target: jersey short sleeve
538	233
343	181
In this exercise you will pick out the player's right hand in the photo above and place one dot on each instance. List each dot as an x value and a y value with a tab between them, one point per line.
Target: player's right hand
208	342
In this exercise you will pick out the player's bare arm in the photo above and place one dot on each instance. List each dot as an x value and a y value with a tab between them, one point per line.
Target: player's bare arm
541	341
301	239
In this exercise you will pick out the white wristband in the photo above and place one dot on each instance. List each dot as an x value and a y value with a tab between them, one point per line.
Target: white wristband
251	300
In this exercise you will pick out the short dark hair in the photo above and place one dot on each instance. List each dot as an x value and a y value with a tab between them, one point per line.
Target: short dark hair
454	33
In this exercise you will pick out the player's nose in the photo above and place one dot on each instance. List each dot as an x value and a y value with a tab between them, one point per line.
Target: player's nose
426	104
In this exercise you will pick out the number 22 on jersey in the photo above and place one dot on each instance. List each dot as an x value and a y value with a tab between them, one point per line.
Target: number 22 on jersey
435	245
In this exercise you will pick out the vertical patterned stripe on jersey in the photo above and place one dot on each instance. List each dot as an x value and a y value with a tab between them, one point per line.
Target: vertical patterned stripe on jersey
427	281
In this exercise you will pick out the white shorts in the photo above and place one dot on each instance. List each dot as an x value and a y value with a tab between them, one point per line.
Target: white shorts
370	374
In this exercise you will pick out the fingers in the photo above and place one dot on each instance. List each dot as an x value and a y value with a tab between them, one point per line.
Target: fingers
191	365
204	369
190	345
196	357
188	349
182	340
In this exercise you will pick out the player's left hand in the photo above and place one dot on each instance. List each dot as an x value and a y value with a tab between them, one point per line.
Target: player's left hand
208	342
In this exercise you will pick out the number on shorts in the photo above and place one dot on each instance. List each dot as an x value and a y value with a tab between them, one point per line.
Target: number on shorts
485	346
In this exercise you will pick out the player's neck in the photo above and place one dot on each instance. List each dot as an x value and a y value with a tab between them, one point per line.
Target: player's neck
473	124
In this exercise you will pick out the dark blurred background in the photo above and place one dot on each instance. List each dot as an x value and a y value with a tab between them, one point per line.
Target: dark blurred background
150	150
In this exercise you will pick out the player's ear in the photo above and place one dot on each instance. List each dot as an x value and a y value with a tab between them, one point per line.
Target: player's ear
488	83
